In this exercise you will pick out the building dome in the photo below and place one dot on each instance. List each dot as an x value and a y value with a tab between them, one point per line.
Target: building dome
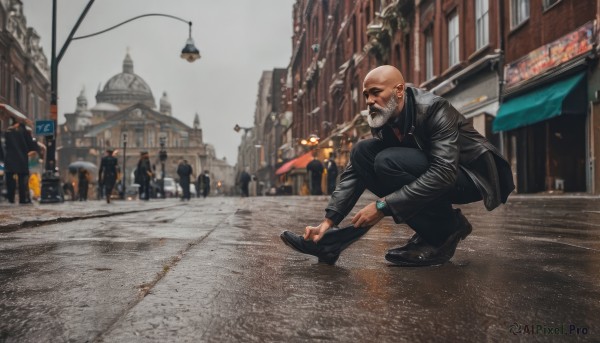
165	105
126	88
81	108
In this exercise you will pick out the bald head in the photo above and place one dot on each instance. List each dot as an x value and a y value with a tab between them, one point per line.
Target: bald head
386	75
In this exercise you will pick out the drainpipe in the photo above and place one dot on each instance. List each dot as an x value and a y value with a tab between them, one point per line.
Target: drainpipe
501	69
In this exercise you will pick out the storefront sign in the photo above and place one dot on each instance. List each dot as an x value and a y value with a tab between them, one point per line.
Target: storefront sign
550	55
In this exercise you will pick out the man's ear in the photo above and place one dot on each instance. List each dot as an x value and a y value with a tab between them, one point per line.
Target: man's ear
399	90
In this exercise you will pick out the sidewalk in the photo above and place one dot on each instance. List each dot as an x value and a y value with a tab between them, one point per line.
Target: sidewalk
14	216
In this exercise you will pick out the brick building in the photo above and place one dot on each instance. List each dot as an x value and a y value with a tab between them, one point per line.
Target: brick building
486	57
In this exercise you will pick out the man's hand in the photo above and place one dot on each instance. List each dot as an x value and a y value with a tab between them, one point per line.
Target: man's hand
316	232
368	216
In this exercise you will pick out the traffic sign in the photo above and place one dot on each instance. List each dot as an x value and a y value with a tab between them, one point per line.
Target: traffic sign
44	127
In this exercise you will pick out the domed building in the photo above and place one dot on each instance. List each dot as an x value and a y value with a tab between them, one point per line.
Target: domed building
126	88
125	116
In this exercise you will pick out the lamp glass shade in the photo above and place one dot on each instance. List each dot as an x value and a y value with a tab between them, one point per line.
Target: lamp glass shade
189	52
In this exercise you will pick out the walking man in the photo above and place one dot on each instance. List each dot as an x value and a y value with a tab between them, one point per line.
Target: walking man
144	170
107	175
332	173
245	181
184	170
205	183
424	156
315	173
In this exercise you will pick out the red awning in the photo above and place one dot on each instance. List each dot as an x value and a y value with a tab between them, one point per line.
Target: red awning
299	162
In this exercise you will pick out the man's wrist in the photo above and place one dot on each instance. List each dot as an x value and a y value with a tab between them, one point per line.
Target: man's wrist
328	222
383	207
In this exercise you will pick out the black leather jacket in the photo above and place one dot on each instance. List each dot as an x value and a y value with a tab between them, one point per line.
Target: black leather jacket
434	126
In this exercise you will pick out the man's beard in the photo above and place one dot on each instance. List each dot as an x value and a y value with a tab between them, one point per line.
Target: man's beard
382	114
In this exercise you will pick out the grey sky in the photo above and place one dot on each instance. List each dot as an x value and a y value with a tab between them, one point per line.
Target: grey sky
238	39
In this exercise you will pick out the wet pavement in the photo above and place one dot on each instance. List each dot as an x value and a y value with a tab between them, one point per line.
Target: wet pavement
214	270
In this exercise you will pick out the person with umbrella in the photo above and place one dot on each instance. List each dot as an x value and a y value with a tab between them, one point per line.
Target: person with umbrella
108	173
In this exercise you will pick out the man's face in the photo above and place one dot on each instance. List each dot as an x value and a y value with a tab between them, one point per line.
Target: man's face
378	116
383	101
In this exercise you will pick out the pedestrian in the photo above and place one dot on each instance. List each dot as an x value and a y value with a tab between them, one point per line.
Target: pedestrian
315	174
332	173
184	170
144	175
424	156
83	183
107	176
205	184
245	179
18	143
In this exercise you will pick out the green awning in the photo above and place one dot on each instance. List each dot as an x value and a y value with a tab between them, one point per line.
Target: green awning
562	97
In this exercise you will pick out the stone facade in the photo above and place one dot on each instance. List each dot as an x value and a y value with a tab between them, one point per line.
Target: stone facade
24	68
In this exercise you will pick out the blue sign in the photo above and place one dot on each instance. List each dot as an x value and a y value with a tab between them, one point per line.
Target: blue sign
44	127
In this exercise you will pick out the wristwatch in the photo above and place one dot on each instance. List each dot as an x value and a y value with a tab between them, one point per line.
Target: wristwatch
382	206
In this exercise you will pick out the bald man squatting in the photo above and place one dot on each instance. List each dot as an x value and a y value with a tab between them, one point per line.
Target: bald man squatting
423	158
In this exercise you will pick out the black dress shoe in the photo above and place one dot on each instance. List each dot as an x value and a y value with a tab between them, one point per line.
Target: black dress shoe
464	227
329	247
417	252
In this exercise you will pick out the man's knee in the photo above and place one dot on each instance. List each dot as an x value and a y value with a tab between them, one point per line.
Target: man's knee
400	161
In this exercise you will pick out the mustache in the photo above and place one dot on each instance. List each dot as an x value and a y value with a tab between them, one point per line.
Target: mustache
375	109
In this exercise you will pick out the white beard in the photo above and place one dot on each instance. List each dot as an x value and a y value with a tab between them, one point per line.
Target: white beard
383	114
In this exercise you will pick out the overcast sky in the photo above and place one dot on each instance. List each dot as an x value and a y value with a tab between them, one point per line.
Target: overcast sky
237	39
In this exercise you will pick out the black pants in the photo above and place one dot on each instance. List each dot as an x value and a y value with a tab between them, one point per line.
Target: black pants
11	186
185	187
385	170
83	191
315	182
109	184
245	191
145	189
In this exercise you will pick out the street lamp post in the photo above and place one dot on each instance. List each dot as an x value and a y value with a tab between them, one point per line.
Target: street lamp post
50	180
162	155
124	185
238	128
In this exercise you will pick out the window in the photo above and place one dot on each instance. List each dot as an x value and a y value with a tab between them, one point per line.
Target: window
519	12
429	55
482	24
453	48
18	94
549	3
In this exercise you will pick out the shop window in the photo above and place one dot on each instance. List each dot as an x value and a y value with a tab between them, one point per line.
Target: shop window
519	12
482	23
453	39
429	55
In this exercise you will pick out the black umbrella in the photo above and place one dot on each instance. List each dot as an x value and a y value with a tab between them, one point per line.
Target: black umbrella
89	166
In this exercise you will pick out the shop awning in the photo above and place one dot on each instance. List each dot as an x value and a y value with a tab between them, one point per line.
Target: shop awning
563	97
299	162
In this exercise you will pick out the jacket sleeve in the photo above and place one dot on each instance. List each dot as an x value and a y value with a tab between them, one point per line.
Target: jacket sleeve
345	196
441	130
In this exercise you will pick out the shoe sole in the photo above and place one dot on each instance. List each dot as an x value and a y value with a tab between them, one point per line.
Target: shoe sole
402	263
321	260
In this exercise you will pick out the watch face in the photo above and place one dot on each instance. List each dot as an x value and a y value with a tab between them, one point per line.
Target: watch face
380	205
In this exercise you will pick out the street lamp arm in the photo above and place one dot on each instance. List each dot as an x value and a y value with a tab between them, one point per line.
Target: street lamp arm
73	30
71	38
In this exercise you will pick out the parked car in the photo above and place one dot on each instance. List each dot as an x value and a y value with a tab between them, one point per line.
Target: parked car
172	188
